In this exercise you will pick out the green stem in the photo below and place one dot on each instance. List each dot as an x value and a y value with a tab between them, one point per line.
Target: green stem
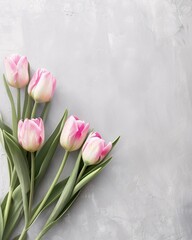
50	189
34	110
18	104
32	182
40	235
23	234
81	172
14	115
8	204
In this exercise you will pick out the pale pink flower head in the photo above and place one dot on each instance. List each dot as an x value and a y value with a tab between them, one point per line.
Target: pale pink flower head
31	134
95	149
16	71
73	134
42	86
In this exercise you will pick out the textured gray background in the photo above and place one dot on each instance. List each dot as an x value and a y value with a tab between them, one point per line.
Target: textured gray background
126	67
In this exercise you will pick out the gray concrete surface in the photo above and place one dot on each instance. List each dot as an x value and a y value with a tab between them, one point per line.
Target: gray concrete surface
126	67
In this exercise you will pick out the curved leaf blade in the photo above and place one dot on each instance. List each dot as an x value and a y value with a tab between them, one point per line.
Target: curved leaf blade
46	153
19	162
67	192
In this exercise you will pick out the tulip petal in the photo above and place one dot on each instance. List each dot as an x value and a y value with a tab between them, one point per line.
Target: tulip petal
22	69
31	134
11	71
73	133
106	150
34	80
16	68
15	58
92	152
43	87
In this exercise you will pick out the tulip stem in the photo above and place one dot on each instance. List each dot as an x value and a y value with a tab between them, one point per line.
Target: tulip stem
18	103
34	110
32	182
51	188
81	172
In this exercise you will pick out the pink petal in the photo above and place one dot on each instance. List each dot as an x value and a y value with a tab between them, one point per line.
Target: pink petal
106	150
15	58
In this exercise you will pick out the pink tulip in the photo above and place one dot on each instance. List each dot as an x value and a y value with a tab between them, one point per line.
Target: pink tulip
73	133
31	134
42	86
95	149
16	68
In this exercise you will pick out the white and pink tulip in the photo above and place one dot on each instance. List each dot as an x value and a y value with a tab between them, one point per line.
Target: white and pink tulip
42	86
95	149
31	134
16	70
74	133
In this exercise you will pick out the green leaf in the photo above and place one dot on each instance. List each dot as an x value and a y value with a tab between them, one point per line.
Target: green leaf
23	238
86	180
66	193
46	153
3	126
10	165
64	210
15	213
19	162
14	115
55	194
21	169
115	142
1	224
3	204
102	164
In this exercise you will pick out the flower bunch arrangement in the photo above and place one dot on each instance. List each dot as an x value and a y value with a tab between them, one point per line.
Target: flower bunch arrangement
29	154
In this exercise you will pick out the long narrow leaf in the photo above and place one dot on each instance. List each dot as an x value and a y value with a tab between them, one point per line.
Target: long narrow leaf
8	157
64	210
66	193
14	115
86	180
55	194
15	213
21	169
1	224
3	126
19	162
46	153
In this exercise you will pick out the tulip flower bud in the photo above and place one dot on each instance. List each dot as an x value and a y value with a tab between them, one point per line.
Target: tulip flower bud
42	86
95	149
16	69
73	133
31	134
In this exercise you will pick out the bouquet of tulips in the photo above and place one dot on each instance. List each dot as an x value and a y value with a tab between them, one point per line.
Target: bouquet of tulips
29	154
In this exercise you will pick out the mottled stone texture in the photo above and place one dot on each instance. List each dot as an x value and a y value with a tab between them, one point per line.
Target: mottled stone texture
125	66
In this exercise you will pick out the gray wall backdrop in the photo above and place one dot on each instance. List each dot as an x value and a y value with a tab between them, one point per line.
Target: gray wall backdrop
126	67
